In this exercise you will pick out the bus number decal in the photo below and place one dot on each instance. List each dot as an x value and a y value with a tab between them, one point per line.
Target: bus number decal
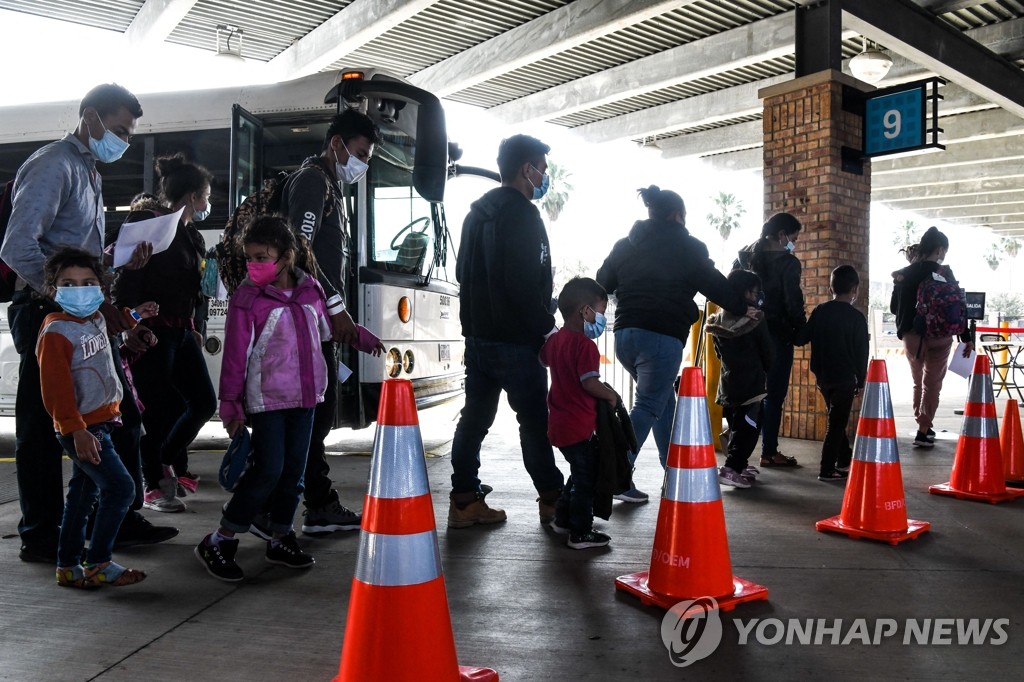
445	352
446	309
218	308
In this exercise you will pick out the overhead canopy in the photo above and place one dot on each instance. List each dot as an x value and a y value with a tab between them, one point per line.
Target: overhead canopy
682	75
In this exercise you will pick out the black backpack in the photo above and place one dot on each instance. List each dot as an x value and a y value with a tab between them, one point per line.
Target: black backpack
7	276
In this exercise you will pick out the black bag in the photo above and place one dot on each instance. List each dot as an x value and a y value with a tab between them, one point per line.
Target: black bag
7	276
229	256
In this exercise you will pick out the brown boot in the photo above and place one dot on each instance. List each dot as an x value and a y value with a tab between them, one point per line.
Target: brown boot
546	505
476	511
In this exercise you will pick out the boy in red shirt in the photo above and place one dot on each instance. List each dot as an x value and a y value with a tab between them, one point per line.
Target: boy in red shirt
576	387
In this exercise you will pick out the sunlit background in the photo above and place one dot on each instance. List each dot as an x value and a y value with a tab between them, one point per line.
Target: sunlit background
59	61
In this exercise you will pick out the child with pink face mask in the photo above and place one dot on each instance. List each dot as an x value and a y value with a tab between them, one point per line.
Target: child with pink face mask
274	373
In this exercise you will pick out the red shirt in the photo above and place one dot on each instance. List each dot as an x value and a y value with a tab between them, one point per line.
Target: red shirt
572	412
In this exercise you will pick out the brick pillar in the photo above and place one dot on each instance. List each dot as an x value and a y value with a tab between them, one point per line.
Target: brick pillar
805	129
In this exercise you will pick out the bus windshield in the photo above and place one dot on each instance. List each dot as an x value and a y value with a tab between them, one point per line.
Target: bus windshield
402	234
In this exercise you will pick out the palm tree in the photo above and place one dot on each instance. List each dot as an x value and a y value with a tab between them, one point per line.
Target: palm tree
906	235
729	211
1011	245
558	191
994	256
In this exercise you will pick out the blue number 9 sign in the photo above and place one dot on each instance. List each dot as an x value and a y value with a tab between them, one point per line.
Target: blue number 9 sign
895	119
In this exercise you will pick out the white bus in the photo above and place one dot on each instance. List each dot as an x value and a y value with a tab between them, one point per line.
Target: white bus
244	135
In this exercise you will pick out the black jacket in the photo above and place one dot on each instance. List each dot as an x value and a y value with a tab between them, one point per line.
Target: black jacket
838	334
745	349
312	200
504	270
615	439
904	295
780	280
654	274
171	277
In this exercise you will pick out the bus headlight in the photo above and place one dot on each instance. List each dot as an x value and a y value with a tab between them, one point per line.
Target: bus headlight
212	345
393	363
408	362
404	309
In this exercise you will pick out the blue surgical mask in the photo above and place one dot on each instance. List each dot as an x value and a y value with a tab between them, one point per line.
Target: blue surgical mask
545	183
790	246
200	216
108	148
594	329
79	301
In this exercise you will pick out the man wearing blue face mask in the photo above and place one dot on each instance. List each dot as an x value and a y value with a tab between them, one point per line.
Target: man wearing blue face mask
504	272
58	201
312	201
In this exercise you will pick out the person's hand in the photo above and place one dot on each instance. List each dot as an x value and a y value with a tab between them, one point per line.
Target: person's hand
140	339
140	256
148	309
856	391
378	349
343	328
968	349
87	446
232	426
198	337
752	312
116	323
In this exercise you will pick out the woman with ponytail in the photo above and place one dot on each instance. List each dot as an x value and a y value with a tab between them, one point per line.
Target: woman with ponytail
171	378
654	273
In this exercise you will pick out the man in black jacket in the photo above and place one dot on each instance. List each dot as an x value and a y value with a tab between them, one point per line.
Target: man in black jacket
312	200
504	271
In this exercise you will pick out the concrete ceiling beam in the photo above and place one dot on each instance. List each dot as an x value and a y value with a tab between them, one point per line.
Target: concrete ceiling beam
156	20
967	203
984	186
957	154
345	32
567	27
948	175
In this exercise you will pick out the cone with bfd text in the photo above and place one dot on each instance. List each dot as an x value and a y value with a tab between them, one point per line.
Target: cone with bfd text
1011	442
398	627
978	465
690	558
874	505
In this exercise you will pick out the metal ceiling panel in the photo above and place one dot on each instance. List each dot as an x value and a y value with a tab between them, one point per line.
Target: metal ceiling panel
113	15
268	26
985	14
443	30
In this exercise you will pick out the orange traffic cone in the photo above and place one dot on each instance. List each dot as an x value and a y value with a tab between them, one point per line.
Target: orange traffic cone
691	552
874	505
978	465
398	626
1011	442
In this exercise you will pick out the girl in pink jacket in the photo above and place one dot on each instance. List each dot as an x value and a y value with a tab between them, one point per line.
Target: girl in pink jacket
274	373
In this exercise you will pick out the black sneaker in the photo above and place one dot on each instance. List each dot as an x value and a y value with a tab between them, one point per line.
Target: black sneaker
219	560
930	434
260	527
921	440
137	530
35	554
288	553
834	475
589	539
329	518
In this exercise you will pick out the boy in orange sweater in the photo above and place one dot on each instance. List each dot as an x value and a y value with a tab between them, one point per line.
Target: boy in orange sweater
82	394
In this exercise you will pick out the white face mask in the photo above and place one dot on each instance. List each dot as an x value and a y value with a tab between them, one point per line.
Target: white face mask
353	170
790	246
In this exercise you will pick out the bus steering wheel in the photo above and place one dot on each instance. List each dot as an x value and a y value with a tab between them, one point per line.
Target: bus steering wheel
408	228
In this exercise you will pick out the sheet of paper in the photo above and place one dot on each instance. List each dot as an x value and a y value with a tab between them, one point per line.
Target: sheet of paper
158	231
958	364
343	372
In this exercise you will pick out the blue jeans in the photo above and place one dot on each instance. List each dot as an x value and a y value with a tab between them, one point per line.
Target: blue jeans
777	386
493	367
280	441
576	504
653	361
174	385
110	482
